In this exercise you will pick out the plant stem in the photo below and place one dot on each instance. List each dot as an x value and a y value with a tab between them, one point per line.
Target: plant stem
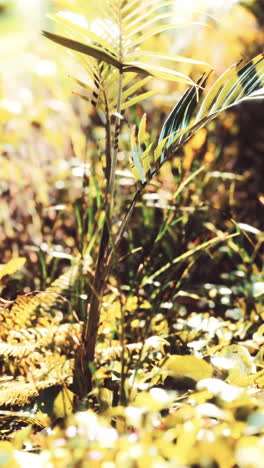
86	353
122	228
116	138
122	396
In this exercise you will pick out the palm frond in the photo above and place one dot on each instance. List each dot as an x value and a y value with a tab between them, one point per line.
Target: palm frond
235	85
114	39
91	50
173	58
181	115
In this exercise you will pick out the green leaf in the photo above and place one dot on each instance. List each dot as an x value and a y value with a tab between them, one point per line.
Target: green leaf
209	99
142	23
172	58
234	86
141	12
135	87
137	99
180	116
142	131
132	89
90	89
85	33
159	72
241	83
136	166
91	50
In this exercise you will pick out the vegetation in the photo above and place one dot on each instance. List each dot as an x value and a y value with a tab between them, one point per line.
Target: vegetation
132	278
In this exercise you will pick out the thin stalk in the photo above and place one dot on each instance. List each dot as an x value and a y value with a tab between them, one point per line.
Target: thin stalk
122	229
117	124
122	357
108	144
85	356
82	381
90	330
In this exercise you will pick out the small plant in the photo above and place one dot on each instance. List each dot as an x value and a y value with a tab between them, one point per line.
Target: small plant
117	68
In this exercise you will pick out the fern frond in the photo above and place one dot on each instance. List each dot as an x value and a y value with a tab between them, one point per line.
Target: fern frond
114	352
55	371
17	392
9	350
13	421
235	85
153	343
22	343
41	309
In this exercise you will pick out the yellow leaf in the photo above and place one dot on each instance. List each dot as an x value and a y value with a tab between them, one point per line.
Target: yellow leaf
200	397
249	452
105	397
217	451
188	366
7	455
12	266
159	325
155	400
63	403
184	447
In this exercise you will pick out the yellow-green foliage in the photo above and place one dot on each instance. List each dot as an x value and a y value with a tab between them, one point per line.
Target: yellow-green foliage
40	309
178	374
35	341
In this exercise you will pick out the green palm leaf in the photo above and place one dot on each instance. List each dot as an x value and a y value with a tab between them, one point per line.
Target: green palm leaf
91	50
180	116
235	85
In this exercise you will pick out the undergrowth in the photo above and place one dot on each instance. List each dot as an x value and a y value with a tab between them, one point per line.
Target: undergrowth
132	280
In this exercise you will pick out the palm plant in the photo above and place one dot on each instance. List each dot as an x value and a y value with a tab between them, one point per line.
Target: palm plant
109	49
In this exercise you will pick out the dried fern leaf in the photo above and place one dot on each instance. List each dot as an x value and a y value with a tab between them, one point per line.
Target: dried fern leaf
19	392
41	309
115	352
62	335
56	370
8	350
13	421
